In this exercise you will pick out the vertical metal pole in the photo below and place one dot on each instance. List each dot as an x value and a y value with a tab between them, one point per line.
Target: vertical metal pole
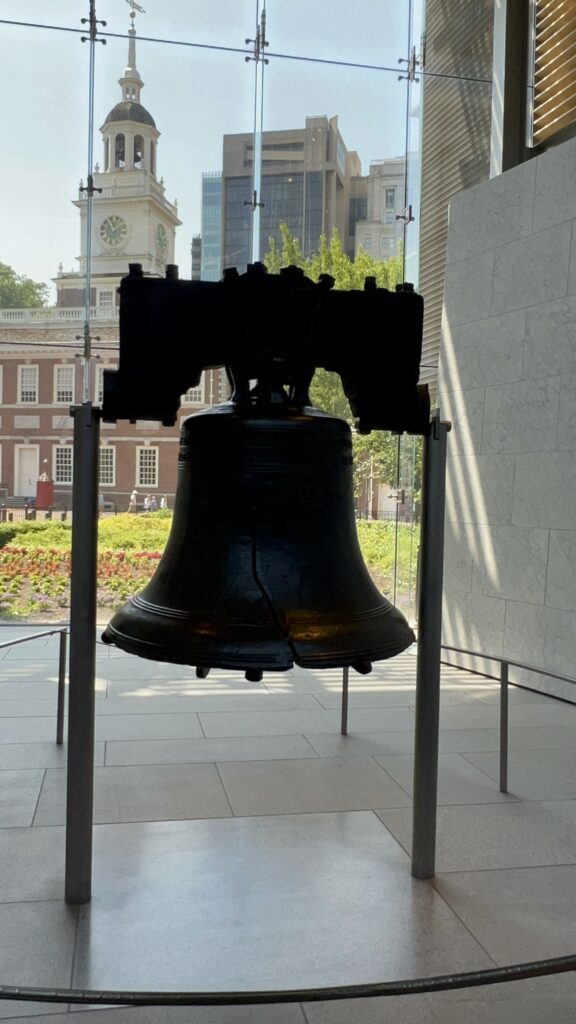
81	700
61	689
344	725
429	641
504	727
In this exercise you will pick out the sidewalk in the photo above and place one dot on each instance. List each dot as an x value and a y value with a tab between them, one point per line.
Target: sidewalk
242	842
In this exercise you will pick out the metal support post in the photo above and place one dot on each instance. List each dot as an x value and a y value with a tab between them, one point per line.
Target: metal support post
81	700
504	727
344	724
61	689
429	650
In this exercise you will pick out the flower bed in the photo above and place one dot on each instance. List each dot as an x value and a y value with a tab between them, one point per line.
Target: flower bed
35	562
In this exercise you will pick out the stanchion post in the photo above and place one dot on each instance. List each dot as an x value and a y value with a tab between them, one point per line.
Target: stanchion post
81	699
344	717
61	688
429	650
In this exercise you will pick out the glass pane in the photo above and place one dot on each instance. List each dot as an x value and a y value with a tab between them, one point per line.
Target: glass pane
44	103
365	32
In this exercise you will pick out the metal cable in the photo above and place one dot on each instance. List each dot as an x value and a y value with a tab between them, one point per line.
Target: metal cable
411	986
242	50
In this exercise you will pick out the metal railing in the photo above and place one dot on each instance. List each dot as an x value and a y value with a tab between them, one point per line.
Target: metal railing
505	665
61	671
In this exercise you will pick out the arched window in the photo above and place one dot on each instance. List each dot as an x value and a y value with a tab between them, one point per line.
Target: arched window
120	151
106	154
152	158
138	152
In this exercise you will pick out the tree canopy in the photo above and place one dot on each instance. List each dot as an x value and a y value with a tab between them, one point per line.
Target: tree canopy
375	454
20	292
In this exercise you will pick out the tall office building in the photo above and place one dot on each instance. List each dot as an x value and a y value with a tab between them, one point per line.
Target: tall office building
211	269
307	176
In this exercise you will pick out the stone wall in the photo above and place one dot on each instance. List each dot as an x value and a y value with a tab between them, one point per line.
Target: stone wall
508	383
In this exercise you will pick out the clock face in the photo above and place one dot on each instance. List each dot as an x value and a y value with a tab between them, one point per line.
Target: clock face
113	230
161	240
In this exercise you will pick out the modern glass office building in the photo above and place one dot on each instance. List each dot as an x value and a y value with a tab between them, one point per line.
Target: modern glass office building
211	269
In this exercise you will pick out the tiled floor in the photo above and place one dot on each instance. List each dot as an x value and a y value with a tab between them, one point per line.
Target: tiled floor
243	843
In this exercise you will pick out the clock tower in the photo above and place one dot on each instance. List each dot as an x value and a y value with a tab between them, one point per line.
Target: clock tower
132	221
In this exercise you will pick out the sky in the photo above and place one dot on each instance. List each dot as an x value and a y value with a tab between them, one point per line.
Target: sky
195	96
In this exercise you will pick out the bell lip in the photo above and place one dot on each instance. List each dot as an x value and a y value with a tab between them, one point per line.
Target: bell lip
240	663
178	656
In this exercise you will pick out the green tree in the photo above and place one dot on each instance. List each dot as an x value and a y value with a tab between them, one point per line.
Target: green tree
331	259
20	292
375	454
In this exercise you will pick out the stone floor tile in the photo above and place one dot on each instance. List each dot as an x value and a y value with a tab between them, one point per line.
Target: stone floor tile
46	754
376	743
534	774
262	723
538	737
261	902
31	864
147	727
516	915
141	793
235	748
39	952
18	796
296	787
484	836
458	781
205	702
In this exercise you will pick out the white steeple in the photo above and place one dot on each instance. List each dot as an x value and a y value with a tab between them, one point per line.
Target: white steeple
131	83
133	222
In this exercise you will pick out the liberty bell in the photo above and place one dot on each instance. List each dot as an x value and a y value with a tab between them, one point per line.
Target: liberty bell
262	569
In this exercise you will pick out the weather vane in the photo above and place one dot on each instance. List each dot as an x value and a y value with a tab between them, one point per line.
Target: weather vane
134	7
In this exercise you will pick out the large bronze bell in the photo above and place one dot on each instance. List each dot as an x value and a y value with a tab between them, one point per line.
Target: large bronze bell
262	568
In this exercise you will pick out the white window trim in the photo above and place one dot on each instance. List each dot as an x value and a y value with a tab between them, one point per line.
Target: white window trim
63	366
99	381
201	387
108	448
63	483
28	366
147	448
105	291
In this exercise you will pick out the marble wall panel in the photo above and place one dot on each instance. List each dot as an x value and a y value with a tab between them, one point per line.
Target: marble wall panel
485	352
550	339
508	383
492	213
542	637
457	557
465	410
561	576
566	432
555	195
508	561
468	289
479	488
545	490
473	621
531	271
521	417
